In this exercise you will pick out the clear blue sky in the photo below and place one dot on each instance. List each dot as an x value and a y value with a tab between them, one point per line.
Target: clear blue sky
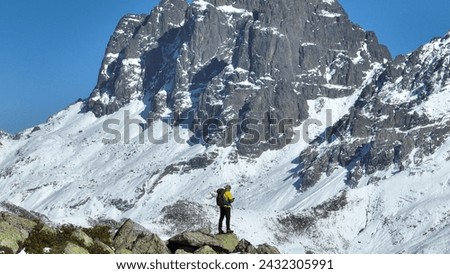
51	50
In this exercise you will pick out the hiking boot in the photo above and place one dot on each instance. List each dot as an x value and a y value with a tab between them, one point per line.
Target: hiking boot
221	232
229	231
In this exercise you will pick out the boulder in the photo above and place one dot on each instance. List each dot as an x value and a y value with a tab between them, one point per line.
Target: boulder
72	248
205	250
246	247
228	241
149	244
100	248
138	240
191	241
127	235
81	237
267	249
48	229
205	230
181	251
11	238
17	222
123	251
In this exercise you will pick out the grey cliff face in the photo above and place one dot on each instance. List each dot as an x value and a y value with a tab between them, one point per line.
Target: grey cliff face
394	125
235	61
129	50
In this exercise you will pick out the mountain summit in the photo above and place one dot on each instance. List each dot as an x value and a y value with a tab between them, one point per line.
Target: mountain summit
330	146
235	60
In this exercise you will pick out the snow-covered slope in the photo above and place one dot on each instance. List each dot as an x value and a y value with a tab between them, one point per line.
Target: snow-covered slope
70	171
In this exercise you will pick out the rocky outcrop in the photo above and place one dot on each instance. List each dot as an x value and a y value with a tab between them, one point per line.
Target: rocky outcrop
13	220
127	235
72	248
235	61
203	242
228	241
149	244
267	249
11	238
138	240
394	124
102	248
80	236
191	241
18	234
14	230
245	247
205	250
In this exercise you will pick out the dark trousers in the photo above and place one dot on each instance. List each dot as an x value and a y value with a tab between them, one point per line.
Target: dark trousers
225	212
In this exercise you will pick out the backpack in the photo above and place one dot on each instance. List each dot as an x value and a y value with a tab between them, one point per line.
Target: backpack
220	198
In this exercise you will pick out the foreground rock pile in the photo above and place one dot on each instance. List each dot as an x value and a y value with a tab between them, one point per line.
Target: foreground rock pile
29	234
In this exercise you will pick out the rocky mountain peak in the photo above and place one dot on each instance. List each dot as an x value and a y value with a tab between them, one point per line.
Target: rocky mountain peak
4	134
234	60
395	124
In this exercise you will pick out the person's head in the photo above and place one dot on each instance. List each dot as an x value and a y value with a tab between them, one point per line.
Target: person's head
227	187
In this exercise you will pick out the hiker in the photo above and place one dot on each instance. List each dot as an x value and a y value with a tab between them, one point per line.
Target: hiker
225	198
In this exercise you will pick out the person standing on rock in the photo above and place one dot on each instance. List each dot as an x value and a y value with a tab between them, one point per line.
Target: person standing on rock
225	199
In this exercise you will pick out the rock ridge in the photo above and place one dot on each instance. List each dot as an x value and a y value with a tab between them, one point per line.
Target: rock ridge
19	234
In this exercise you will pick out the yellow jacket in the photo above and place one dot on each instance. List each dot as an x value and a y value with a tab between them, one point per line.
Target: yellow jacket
228	198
